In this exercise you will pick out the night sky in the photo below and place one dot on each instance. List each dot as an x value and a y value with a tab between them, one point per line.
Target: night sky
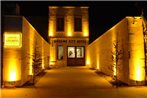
102	15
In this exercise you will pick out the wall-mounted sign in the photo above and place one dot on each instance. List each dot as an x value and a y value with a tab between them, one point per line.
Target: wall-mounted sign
13	40
69	41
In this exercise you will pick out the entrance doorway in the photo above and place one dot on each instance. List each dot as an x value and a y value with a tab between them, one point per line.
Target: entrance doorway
75	56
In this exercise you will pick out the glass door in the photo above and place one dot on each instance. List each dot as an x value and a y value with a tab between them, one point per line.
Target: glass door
80	52
71	52
76	56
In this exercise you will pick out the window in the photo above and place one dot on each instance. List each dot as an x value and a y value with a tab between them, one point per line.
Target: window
78	24
75	52
60	23
60	52
80	52
71	52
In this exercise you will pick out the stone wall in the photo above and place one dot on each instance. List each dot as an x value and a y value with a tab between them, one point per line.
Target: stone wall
32	40
100	51
130	67
17	61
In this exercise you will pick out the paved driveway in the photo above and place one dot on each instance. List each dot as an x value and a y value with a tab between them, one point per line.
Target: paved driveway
74	82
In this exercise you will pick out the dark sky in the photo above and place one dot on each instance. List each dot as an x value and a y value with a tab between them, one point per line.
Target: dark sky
102	15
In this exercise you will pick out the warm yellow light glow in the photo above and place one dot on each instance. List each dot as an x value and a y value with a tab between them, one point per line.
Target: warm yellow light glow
69	26
87	58
137	58
69	34
31	50
68	7
52	62
114	35
52	55
85	26
97	66
30	67
13	76
43	58
138	75
88	62
138	71
114	70
114	66
43	55
51	27
43	64
84	7
12	39
85	34
85	31
50	33
54	7
12	70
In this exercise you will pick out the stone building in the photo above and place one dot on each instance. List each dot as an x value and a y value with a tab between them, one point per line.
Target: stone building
68	35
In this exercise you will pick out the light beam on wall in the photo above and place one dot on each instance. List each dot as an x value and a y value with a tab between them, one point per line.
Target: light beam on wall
43	57
52	54
88	58
51	27
137	56
97	66
114	39
12	46
31	50
13	72
69	26
85	29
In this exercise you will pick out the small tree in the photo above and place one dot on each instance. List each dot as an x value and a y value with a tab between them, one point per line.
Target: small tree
36	62
116	56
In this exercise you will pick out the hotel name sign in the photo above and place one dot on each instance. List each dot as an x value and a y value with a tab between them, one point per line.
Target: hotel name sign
12	40
70	41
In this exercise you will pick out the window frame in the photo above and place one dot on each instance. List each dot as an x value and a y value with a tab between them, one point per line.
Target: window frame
77	28
74	52
58	28
83	54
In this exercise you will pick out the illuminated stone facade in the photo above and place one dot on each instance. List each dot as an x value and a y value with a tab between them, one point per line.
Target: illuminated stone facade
68	33
131	65
20	41
68	28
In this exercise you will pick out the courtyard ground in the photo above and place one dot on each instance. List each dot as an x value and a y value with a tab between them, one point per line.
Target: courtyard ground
74	82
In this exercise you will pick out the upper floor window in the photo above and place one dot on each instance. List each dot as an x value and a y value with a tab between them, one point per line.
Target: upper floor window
78	24
60	23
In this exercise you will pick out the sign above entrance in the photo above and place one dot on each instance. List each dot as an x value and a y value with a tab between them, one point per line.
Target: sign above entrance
69	41
12	40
